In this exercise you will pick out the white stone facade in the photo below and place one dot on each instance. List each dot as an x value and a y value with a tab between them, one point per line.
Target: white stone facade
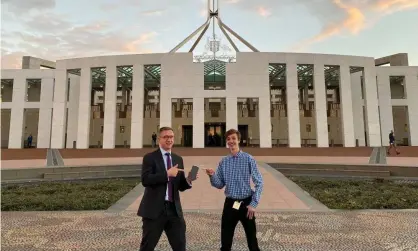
65	113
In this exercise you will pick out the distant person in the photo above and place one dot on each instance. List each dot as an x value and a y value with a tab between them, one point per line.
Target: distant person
30	138
235	172
154	139
392	143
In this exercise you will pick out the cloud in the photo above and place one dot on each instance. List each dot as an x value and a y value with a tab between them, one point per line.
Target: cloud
143	39
157	12
263	11
106	7
358	15
335	16
231	1
19	6
60	38
389	6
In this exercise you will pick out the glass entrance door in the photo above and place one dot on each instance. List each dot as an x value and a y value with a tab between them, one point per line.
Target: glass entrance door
187	135
215	134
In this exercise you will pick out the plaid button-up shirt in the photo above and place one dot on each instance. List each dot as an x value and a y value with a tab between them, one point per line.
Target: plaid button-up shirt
235	173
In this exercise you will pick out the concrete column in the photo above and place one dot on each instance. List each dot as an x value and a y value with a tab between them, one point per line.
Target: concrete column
84	110
206	102
166	104
283	95
385	107
72	123
346	107
59	112
45	113
17	117
306	96
320	106
109	129
124	98
137	106
231	113
358	107
198	123
372	106
129	97
292	98
178	104
265	121
250	103
411	90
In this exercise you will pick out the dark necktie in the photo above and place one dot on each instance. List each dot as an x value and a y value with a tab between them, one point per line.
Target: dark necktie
170	179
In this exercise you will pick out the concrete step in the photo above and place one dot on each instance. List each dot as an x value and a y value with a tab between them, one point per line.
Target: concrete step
69	169
92	174
311	171
330	166
39	173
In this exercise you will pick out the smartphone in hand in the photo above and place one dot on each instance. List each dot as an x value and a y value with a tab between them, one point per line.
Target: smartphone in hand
193	172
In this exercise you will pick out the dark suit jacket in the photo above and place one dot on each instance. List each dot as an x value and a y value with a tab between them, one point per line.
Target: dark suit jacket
154	179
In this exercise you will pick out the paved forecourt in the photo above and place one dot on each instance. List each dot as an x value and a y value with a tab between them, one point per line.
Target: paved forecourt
287	219
317	231
277	193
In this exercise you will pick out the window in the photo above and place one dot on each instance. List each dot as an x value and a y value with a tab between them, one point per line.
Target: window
308	128
406	127
329	127
101	129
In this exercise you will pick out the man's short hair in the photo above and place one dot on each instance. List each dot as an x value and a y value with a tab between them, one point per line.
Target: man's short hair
233	131
165	128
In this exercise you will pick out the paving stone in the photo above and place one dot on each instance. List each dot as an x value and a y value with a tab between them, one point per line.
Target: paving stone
97	230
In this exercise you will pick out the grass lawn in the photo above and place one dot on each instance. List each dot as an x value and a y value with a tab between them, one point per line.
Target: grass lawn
63	196
360	194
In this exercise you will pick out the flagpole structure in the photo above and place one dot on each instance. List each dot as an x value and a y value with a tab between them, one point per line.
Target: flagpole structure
212	14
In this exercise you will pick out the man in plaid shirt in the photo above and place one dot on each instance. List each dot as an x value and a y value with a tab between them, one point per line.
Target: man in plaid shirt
235	172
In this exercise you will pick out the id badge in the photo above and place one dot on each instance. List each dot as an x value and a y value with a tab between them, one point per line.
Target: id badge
236	205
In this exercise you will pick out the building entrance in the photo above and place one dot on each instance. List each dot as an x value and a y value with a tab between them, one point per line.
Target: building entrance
215	134
187	136
243	129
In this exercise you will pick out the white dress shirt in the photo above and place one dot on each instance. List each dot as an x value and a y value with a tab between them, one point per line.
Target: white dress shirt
165	164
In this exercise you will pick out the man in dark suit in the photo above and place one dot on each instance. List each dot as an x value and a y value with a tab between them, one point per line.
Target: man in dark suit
163	177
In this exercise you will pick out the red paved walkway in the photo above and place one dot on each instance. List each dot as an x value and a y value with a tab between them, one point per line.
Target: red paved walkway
205	197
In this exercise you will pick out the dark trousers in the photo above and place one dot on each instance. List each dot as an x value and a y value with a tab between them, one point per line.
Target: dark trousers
173	226
230	218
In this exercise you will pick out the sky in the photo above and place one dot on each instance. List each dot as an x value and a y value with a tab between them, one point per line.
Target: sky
54	30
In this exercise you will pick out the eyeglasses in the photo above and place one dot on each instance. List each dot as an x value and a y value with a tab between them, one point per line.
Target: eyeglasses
168	137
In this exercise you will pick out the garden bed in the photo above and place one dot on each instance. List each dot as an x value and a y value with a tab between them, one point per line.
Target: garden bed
65	196
361	194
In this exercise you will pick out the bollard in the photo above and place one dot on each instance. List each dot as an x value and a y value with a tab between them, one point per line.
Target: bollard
125	144
74	144
357	143
332	143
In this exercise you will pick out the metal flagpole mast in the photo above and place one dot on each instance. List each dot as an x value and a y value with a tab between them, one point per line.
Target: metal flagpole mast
211	15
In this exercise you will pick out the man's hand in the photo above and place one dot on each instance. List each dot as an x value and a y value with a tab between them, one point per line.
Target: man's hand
210	171
174	171
250	212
